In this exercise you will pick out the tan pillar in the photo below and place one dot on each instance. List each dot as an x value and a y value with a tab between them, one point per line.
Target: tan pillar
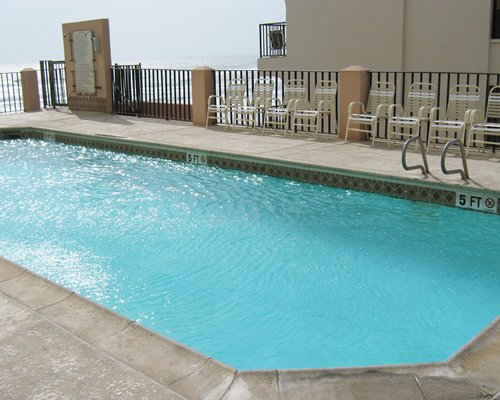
99	97
354	85
31	95
203	81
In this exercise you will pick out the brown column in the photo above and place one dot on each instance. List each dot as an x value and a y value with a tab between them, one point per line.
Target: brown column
31	95
203	81
354	85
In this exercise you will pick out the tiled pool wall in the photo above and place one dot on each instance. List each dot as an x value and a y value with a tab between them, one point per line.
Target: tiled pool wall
408	190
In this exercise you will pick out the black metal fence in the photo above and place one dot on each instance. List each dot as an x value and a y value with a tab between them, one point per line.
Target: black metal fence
280	78
53	83
443	81
155	93
272	39
11	99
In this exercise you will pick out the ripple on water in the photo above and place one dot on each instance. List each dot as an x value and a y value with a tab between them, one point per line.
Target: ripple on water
258	272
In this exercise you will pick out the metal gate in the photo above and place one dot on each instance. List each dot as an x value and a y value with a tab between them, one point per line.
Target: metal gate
53	82
127	89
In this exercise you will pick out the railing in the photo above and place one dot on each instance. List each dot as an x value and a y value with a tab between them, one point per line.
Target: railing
280	78
272	38
155	93
423	168
464	172
53	83
443	81
11	99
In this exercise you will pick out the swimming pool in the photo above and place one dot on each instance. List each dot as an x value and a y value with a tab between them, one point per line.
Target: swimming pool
257	272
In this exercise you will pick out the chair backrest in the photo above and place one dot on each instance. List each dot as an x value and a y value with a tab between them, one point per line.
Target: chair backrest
493	107
420	95
462	98
235	91
325	91
295	89
380	93
262	90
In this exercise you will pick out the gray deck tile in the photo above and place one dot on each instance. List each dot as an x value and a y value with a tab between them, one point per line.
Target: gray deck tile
86	320
324	384
254	385
210	382
163	360
33	291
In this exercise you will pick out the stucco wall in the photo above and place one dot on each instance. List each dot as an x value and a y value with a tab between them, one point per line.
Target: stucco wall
447	35
333	34
412	35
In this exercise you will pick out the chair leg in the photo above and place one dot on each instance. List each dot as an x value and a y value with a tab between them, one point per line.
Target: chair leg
347	129
318	122
226	120
374	131
429	139
390	134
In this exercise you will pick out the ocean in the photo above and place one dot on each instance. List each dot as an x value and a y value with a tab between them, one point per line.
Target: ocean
216	62
10	90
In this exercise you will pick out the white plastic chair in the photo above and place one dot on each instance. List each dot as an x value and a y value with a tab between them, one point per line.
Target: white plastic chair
462	100
309	115
406	122
381	96
247	112
219	107
277	112
483	130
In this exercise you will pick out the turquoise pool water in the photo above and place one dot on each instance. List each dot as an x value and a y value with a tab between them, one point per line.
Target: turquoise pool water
254	271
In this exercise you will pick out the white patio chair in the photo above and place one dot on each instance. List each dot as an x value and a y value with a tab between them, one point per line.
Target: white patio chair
219	107
308	115
247	112
277	112
485	129
406	122
462	100
381	96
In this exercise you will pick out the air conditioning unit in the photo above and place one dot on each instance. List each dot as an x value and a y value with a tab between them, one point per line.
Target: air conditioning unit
277	39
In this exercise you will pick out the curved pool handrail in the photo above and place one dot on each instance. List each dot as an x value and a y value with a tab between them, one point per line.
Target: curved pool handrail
464	173
424	168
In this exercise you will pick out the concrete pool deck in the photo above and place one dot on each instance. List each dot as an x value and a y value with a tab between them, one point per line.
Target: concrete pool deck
55	344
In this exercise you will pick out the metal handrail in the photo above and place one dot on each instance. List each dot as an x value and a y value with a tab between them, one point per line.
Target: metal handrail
424	168
464	173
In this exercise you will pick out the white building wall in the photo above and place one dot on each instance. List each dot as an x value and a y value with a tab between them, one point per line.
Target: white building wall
411	35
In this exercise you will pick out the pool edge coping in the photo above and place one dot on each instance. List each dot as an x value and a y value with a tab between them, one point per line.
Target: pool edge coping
449	370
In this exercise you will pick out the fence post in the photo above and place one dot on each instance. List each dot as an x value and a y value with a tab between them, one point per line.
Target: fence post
31	95
203	81
354	85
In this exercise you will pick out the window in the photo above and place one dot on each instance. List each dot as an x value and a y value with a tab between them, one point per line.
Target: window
495	20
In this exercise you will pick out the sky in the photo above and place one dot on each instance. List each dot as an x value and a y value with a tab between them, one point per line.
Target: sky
140	29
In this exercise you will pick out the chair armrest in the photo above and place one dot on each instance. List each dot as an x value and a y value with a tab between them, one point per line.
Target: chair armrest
382	110
325	106
356	104
424	113
474	117
435	112
299	104
215	97
396	110
478	116
270	100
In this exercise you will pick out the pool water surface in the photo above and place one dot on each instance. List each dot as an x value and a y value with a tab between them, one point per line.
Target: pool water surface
254	271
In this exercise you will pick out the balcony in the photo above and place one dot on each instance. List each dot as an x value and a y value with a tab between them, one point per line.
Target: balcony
272	38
